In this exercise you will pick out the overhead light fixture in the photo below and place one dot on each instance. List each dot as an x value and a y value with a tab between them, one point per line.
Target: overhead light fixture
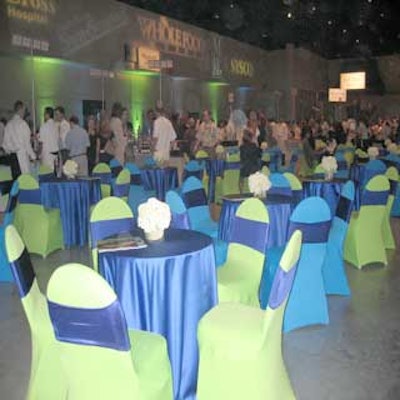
289	15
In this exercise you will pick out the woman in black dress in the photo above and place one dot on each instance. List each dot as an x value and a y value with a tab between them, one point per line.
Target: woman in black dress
250	157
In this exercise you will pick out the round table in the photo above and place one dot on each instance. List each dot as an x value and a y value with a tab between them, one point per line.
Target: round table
73	197
328	190
166	288
279	210
160	180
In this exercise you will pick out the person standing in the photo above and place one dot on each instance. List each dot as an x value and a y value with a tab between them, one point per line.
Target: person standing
163	134
63	128
207	134
91	128
48	136
77	143
250	157
17	142
120	139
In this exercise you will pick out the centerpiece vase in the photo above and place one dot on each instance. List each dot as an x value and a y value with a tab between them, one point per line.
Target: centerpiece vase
154	236
328	176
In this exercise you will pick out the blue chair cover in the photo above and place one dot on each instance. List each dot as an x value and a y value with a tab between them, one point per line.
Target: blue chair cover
5	271
307	303
373	168
195	200
121	190
275	155
333	269
280	185
137	196
193	168
115	167
150	162
342	171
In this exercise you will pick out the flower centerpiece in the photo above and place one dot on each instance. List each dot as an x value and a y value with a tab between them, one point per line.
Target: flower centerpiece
392	148
264	146
220	152
373	152
158	158
70	169
154	217
259	184
330	166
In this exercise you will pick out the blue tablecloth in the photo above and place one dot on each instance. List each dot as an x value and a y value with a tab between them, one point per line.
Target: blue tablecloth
166	288
328	190
279	210
160	180
74	198
215	168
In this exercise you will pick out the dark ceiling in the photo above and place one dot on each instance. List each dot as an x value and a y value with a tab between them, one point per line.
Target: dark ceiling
332	28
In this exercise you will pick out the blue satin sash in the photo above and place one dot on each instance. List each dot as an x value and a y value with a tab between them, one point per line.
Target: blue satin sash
12	203
253	234
280	190
116	170
374	198
23	272
197	174
195	198
29	196
121	190
105	177
344	208
136	179
393	187
316	232
46	177
102	229
180	221
231	165
103	327
281	287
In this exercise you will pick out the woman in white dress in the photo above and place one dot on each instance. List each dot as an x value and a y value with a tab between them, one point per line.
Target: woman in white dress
120	139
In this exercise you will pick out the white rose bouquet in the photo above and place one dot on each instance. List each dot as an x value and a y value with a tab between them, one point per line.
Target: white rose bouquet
373	152
154	217
70	169
329	164
264	146
259	184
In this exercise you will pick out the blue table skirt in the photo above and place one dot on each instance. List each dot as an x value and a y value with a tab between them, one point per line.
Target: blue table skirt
166	288
279	210
328	190
73	198
215	168
160	180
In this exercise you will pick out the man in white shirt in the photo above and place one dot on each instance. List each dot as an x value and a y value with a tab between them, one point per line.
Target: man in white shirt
48	136
163	135
63	128
17	141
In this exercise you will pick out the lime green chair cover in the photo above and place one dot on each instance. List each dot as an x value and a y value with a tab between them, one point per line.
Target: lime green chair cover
239	278
364	242
234	157
241	346
202	154
319	170
108	209
123	180
265	170
388	238
229	183
103	168
46	378
100	358
40	228
5	175
295	183
265	157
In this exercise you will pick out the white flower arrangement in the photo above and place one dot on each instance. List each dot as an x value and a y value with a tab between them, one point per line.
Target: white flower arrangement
70	169
154	216
373	152
329	164
264	146
220	149
392	148
259	184
388	142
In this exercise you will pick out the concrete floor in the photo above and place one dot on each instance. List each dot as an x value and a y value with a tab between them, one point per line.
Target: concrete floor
356	357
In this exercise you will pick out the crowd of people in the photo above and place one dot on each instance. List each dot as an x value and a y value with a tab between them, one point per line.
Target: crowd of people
107	136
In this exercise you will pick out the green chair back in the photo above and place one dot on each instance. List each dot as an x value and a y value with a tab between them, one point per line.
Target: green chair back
295	183
45	170
103	168
202	154
27	182
235	157
92	337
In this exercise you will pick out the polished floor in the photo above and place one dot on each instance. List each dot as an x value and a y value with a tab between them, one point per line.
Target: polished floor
355	357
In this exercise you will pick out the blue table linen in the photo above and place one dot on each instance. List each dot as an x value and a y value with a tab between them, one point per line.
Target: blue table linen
160	180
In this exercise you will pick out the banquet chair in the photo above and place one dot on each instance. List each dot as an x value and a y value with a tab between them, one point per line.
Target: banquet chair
180	220
241	347
201	155
103	171
116	167
195	199
348	153
228	184
45	172
275	158
265	170
100	358
364	242
110	216
5	271
318	170
279	185
294	158
46	378
295	185
40	228
373	168
307	303
343	170
193	168
388	238
122	185
333	269
5	176
239	278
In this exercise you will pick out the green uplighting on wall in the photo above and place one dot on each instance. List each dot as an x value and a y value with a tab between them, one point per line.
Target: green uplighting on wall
213	94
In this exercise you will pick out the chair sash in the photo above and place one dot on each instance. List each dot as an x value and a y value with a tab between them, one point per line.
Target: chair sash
105	177
102	229
253	234
281	287
23	272
104	327
116	170
344	208
313	233
374	198
393	187
195	198
231	165
281	191
30	196
136	179
121	190
180	220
